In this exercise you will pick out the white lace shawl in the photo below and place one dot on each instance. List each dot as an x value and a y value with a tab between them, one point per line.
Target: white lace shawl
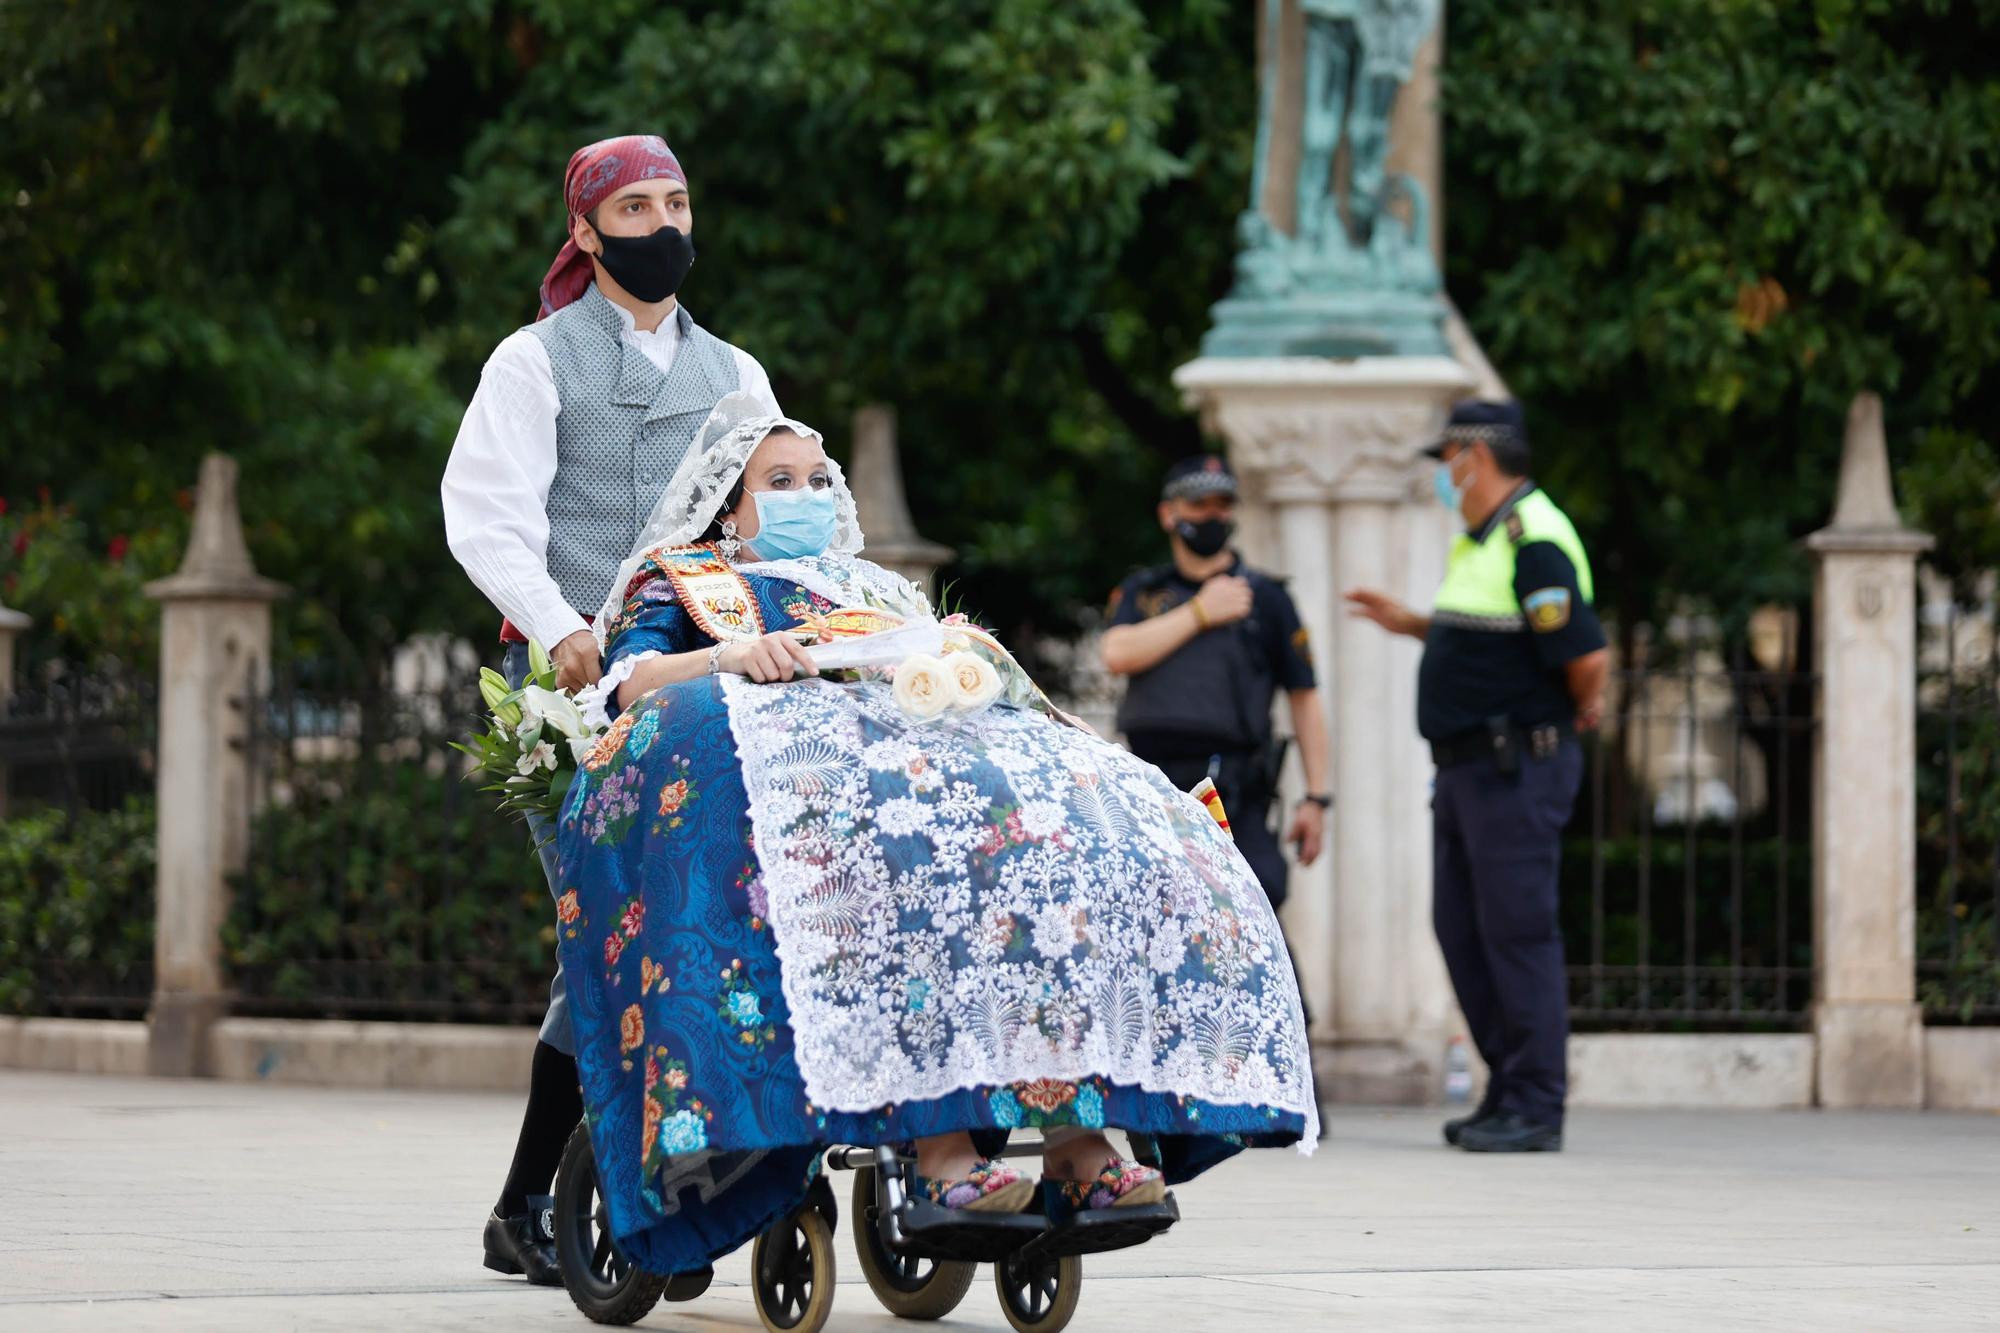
701	486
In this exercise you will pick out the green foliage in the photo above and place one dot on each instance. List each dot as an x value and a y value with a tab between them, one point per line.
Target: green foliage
1951	489
1688	232
1958	841
294	229
392	891
88	601
76	909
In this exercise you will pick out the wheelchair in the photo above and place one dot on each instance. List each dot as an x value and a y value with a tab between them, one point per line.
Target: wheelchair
920	1259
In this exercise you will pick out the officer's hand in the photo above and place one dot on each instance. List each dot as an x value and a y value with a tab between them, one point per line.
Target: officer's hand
775	657
1386	611
1225	598
1590	716
1308	831
576	661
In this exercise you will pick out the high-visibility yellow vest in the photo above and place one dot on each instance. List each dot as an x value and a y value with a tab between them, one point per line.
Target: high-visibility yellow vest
1478	587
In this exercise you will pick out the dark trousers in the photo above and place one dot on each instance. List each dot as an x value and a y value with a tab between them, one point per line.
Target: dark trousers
1497	848
1249	811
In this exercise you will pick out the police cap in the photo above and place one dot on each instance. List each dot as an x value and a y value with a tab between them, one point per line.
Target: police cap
1198	477
1499	426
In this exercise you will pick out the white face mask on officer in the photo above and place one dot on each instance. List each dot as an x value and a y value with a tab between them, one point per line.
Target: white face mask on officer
1450	490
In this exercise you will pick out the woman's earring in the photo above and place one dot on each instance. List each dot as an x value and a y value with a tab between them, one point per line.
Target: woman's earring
730	543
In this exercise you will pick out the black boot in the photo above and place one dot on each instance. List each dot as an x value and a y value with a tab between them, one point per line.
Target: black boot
526	1242
1455	1129
1509	1132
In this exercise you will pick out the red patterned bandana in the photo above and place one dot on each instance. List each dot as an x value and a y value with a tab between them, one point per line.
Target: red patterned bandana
595	173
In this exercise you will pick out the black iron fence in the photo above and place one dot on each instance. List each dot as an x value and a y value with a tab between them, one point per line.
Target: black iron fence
1958	816
380	884
76	845
1687	875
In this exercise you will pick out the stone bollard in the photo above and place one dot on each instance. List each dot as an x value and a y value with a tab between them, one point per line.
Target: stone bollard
12	625
215	648
875	475
1870	1048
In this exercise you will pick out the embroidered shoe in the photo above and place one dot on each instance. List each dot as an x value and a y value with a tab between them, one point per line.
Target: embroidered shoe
988	1188
1120	1184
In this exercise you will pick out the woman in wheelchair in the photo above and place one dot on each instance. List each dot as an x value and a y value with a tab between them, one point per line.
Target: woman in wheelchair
803	911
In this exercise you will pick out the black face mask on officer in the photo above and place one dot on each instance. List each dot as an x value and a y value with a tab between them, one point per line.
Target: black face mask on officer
650	267
1206	537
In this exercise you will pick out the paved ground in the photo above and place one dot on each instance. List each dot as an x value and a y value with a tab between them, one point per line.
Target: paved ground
133	1205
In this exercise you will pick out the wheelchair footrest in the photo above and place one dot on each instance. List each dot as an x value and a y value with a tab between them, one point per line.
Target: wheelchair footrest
1098	1230
931	1232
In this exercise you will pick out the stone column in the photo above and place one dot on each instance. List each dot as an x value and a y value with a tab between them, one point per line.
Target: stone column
1333	448
875	475
12	624
215	646
1869	1027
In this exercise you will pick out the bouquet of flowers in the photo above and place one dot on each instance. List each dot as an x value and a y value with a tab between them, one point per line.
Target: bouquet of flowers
535	738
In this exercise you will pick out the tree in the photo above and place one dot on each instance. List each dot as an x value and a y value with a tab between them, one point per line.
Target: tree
1689	231
293	229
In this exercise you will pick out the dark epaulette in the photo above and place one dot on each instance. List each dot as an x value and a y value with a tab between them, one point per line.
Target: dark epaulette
1515	530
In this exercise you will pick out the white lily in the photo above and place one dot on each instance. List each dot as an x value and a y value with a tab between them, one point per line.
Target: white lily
542	756
580	747
558	710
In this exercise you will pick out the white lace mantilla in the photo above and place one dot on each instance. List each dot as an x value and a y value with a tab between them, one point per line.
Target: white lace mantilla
1002	899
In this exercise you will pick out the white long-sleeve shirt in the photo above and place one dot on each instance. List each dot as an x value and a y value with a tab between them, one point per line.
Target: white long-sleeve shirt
496	483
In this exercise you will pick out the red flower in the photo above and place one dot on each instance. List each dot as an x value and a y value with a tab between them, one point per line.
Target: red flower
1014	829
566	909
994	842
631	1029
613	946
635	917
20	543
3	504
673	796
119	546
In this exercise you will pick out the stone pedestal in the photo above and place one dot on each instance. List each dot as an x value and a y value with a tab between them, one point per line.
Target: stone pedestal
215	648
1870	1029
1337	496
875	475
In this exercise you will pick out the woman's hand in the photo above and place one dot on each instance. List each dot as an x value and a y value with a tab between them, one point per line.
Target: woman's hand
775	657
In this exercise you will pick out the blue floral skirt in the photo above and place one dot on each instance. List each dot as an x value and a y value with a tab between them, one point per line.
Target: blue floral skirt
703	1129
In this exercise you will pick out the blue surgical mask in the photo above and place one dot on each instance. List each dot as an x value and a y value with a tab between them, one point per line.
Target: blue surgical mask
1447	489
792	525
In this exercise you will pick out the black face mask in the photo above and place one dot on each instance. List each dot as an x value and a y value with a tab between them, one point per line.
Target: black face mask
1207	537
651	267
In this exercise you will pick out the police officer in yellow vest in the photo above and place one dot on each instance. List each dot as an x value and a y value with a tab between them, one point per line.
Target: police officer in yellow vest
1513	667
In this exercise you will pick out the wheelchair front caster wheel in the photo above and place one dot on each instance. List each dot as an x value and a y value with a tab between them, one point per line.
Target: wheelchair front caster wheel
791	1268
1038	1295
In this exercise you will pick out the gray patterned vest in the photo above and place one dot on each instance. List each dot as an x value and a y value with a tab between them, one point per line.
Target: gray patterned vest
623	429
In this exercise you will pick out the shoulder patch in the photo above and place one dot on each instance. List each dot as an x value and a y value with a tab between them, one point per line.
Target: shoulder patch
1515	531
1547	609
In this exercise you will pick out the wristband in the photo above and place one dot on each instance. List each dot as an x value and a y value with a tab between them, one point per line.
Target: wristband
1319	799
1200	614
715	659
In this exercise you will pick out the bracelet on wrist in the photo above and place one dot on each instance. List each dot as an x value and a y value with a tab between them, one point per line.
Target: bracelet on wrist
1320	799
1200	613
715	659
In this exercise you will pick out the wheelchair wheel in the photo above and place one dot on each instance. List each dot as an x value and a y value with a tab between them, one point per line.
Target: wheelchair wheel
908	1287
1039	1295
791	1270
607	1287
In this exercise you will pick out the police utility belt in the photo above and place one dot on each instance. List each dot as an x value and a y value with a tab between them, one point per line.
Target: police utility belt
1500	742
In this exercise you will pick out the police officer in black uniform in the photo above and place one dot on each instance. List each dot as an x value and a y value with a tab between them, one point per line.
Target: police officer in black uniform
1514	665
1207	642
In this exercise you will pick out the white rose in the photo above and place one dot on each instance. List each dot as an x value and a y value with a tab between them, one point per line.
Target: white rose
978	683
924	688
558	710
